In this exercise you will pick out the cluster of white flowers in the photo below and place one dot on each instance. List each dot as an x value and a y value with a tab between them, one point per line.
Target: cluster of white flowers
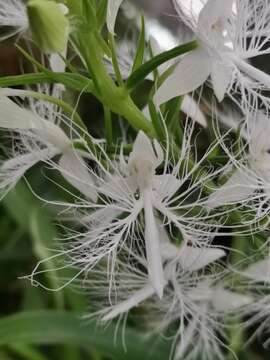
146	224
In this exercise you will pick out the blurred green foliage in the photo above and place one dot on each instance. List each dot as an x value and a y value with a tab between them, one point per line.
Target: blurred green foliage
44	324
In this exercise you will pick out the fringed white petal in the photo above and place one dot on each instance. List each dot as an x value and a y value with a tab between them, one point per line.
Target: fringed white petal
112	11
193	259
240	186
225	301
132	302
166	185
102	216
13	15
116	186
54	135
192	71
186	339
14	117
12	170
74	170
260	271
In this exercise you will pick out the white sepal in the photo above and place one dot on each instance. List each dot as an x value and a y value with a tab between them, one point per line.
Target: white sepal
143	151
213	12
189	9
166	185
191	108
192	71
221	76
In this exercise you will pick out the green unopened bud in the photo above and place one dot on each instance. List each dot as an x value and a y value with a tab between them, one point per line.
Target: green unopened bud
49	24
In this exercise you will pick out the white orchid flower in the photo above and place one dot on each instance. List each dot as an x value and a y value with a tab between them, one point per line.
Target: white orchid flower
189	106
196	299
142	190
229	33
187	258
134	197
252	174
40	140
207	306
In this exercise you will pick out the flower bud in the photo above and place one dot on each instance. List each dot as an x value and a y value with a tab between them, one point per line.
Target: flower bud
49	24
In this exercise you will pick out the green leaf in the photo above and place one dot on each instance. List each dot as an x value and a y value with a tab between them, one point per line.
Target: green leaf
4	356
173	120
20	202
36	221
157	121
27	352
54	327
73	81
103	44
89	13
31	59
102	13
43	235
140	48
141	73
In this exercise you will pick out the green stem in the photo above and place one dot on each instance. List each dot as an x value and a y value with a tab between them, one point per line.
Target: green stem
114	97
